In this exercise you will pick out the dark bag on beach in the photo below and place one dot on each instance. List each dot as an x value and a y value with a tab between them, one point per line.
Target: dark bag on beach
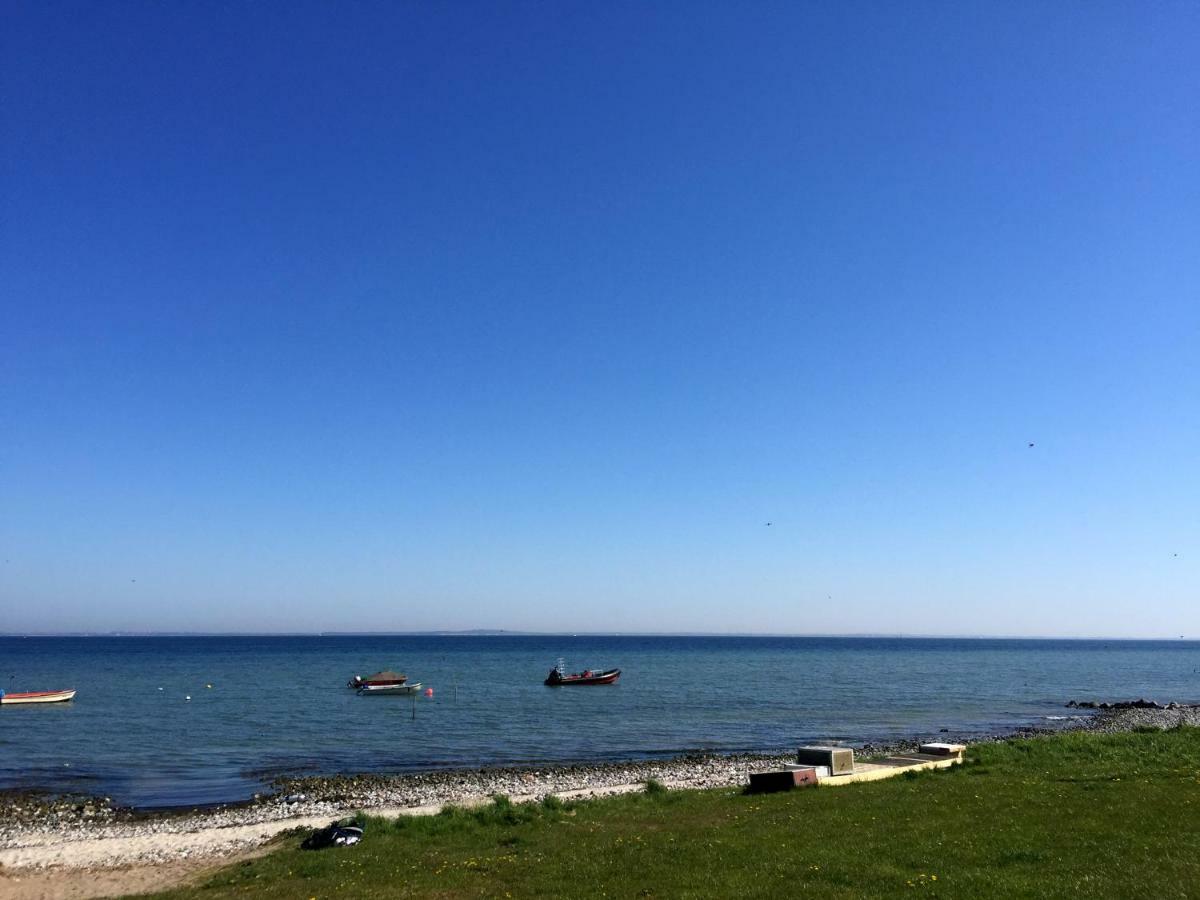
334	835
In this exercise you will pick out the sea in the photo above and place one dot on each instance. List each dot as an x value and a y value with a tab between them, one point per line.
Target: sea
261	707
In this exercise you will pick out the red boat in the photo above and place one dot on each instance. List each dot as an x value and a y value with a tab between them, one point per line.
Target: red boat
559	678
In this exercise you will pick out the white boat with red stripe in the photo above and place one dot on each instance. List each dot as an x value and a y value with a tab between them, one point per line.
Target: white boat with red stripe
36	697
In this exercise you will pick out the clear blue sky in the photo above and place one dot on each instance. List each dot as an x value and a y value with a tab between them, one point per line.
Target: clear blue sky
530	316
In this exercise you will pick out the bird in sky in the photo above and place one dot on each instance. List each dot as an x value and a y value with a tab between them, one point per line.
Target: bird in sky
1031	443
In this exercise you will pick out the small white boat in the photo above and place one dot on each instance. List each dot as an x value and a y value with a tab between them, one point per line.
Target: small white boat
36	697
372	690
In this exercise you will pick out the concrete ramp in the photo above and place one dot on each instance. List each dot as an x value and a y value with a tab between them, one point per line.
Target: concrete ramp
835	766
890	768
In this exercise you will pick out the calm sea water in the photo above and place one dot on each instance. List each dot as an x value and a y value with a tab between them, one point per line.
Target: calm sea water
280	705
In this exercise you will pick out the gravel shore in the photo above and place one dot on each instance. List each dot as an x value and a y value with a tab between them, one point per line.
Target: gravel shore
36	831
1112	721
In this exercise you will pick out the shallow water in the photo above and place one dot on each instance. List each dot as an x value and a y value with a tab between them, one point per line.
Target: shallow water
279	704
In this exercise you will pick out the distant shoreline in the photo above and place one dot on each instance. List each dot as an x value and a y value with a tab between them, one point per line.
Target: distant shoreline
1179	639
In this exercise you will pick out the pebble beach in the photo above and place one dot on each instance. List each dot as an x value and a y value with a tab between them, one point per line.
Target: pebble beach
38	832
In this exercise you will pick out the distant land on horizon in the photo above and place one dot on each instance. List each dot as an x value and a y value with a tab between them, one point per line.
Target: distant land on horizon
500	632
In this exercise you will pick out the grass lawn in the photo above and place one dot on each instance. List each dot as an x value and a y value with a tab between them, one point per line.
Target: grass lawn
1076	815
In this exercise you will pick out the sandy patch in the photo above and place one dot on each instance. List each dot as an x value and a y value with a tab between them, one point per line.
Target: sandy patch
51	867
87	884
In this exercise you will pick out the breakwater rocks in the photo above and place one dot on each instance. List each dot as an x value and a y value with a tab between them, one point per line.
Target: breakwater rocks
1114	718
1141	703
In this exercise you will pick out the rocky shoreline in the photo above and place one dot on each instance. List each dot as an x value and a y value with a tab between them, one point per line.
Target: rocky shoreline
1118	717
31	822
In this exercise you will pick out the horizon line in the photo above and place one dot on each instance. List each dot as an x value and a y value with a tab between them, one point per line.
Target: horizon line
501	632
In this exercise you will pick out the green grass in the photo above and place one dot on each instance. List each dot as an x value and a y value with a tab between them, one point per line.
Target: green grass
1074	815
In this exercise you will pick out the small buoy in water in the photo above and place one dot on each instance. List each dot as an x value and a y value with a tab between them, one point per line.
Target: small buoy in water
208	685
428	692
188	697
160	689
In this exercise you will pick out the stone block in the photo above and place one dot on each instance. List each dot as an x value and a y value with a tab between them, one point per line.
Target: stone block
785	780
822	771
940	749
840	760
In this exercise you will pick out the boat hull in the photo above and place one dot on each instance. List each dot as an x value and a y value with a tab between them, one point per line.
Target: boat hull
609	677
389	690
37	697
379	679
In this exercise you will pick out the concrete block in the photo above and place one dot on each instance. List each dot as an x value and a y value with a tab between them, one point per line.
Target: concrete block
839	759
770	782
822	771
939	749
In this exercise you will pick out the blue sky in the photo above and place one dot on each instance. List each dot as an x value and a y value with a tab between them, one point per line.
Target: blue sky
531	316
